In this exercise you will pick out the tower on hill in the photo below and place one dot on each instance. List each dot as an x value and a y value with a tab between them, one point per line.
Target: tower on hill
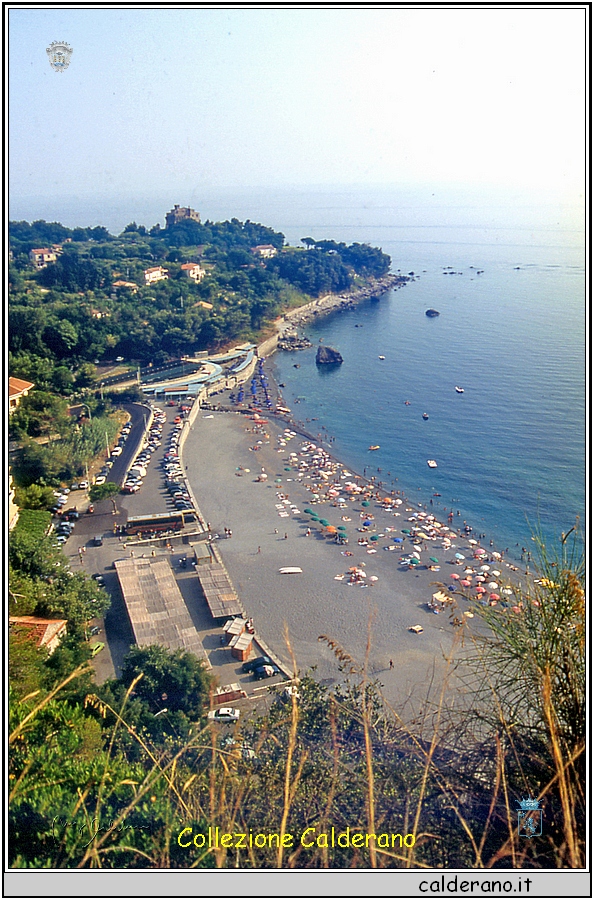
179	214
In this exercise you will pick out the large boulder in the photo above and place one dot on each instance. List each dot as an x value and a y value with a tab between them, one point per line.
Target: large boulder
326	355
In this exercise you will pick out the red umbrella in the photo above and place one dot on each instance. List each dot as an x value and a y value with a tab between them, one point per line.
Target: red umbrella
480	589
455	576
494	597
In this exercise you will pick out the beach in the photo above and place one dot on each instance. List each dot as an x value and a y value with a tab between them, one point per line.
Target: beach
269	526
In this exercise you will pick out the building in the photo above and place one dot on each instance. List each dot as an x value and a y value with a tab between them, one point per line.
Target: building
156	273
17	388
181	214
204	304
193	271
41	257
45	633
265	251
128	284
157	611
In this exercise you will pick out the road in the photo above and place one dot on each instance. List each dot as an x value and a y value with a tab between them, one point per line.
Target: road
152	498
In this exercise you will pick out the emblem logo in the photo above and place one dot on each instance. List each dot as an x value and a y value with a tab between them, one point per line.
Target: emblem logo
529	818
59	54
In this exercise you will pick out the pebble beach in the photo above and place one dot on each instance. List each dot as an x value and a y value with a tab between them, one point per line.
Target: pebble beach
274	488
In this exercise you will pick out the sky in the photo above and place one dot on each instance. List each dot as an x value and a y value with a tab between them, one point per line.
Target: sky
176	99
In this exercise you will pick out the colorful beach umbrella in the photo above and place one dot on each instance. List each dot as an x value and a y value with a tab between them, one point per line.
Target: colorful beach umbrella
494	597
309	512
324	522
374	537
342	528
455	576
465	582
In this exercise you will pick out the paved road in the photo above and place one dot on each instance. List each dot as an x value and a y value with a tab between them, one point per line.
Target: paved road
152	498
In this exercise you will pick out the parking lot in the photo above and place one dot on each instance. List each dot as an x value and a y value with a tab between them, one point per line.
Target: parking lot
95	543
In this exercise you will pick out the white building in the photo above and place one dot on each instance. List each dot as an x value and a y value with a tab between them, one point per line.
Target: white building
156	273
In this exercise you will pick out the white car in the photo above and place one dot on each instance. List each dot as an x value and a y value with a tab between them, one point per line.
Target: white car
83	485
100	479
116	451
225	714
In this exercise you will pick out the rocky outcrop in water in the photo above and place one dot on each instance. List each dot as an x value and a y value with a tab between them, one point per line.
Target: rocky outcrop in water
327	355
290	340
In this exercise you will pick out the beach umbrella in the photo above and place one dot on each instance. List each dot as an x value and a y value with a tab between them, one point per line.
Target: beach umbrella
342	528
459	556
405	531
414	561
472	541
496	555
495	572
434	559
287	468
455	576
480	577
324	522
331	529
374	537
507	591
309	512
492	585
397	540
365	503
480	589
494	597
465	582
373	578
485	568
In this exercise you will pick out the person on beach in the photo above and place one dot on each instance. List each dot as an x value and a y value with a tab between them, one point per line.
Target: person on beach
391	664
259	550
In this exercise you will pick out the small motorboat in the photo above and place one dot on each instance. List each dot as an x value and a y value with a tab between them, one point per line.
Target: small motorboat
432	464
374	447
459	390
407	402
425	415
381	357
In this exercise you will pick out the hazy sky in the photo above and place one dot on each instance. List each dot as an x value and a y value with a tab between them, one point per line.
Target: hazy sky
176	99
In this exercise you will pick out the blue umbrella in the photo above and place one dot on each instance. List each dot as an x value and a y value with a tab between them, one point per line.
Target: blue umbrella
397	540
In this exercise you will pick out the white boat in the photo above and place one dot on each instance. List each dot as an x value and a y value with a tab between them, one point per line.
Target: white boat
459	390
381	357
432	464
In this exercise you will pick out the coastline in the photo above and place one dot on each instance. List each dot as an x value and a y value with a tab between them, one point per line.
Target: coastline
329	303
270	530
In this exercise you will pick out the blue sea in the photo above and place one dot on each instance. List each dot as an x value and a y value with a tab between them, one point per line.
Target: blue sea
511	449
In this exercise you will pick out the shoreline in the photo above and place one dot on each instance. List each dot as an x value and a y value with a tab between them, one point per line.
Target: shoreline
271	529
329	303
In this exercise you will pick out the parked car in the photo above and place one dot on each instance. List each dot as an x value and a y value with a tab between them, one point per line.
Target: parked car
100	479
83	485
225	714
266	672
95	630
97	648
97	541
252	664
116	451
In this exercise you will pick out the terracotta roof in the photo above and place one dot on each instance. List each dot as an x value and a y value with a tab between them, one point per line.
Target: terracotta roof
41	250
17	386
42	630
190	266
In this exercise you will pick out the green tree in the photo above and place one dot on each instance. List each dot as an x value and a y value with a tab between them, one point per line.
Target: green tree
103	491
174	680
35	496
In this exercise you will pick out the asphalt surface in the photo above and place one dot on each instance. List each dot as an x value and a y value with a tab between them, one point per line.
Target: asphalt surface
152	498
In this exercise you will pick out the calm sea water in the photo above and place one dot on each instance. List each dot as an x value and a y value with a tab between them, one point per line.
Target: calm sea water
511	448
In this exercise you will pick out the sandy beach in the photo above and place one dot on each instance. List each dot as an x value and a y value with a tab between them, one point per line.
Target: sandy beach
269	528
